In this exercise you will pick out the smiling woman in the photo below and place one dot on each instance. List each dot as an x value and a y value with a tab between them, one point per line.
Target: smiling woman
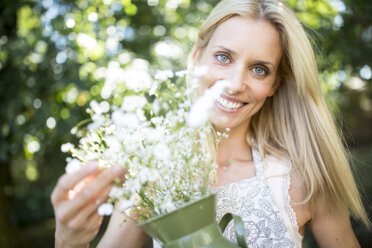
275	105
283	167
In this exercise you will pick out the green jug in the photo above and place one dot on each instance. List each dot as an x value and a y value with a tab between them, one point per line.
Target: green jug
194	226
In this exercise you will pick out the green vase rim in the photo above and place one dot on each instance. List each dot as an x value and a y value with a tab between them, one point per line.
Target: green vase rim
187	204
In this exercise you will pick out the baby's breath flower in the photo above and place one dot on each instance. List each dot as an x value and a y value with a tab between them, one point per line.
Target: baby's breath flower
132	103
163	75
181	73
136	199
95	107
128	120
161	151
200	71
201	109
168	205
67	147
105	209
165	158
116	192
152	135
73	166
125	204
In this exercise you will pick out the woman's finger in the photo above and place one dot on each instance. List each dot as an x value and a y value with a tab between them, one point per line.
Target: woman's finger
94	221
68	181
84	214
104	179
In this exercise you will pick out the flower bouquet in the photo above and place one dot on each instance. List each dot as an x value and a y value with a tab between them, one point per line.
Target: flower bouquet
167	146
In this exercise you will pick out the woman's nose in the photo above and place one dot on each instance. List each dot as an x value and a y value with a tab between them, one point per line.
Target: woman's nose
238	82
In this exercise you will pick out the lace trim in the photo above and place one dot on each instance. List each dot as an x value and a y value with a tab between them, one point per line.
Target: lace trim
288	208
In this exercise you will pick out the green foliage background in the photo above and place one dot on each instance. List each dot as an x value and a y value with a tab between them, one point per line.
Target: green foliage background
53	53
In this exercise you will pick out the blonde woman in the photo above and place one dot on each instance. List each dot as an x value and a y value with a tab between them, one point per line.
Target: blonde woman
283	167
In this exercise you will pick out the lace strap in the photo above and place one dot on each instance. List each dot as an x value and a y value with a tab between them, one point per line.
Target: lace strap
258	164
288	208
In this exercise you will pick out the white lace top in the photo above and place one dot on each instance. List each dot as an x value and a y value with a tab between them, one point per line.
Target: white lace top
263	202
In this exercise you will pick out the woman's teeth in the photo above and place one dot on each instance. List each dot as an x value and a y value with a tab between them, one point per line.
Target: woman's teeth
227	104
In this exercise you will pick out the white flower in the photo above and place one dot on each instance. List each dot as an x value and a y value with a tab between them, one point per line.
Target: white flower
147	175
200	71
95	107
217	89
201	109
73	166
110	156
91	155
105	106
168	49
168	205
163	75
156	106
105	209
154	175
153	89
110	129
161	151
133	185
157	120
129	120
137	77
67	147
98	121
125	204
114	75
131	144
113	144
199	112
116	192
132	103
140	114
181	73
153	135
135	198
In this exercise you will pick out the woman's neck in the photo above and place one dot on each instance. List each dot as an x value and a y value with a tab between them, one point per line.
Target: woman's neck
234	148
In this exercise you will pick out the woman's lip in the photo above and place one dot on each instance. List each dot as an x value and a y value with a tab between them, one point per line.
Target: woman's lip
231	99
229	110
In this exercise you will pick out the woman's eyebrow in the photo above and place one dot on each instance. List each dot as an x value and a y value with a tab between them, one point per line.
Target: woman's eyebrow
226	49
263	62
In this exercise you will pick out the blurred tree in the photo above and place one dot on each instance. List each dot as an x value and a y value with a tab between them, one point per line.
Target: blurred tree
56	55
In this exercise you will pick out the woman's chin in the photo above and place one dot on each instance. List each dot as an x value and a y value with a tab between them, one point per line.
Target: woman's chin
220	122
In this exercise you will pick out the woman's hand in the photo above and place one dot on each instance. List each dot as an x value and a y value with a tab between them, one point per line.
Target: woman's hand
75	200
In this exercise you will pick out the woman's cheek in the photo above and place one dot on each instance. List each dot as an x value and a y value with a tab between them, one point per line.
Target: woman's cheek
262	92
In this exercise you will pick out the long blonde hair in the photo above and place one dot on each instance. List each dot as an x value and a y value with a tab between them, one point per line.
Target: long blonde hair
296	121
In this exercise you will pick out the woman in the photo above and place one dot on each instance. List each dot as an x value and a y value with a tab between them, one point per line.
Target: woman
283	166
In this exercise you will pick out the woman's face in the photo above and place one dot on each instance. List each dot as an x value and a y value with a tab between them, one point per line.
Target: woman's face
246	52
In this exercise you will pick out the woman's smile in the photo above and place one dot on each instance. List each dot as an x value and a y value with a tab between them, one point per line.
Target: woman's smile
230	105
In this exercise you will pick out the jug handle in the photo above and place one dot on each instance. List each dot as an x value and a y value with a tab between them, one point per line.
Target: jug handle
238	226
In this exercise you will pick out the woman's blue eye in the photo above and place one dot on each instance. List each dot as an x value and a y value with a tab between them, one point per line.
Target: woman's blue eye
223	58
259	71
